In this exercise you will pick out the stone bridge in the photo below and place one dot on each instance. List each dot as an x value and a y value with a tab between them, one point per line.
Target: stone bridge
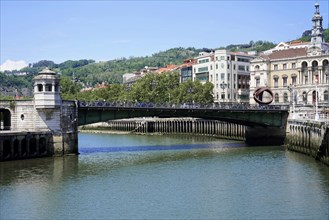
265	124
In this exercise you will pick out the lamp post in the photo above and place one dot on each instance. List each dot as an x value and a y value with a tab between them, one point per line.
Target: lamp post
190	90
292	92
223	86
316	117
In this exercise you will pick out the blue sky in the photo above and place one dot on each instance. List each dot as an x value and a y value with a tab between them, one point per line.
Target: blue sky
103	30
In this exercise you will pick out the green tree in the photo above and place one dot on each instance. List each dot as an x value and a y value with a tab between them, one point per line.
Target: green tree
69	89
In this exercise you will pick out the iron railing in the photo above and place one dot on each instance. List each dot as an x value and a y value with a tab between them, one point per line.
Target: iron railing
227	106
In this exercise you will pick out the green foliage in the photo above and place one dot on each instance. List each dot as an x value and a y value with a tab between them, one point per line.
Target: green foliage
326	35
69	89
153	88
308	38
305	39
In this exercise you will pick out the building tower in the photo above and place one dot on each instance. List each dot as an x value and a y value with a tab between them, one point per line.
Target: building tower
317	30
47	90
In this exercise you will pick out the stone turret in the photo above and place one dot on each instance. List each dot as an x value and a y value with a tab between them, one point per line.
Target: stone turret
317	30
47	90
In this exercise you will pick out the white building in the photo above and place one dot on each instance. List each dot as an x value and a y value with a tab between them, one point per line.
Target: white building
227	71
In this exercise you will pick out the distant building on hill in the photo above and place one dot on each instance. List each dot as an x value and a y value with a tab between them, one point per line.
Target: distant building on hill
129	79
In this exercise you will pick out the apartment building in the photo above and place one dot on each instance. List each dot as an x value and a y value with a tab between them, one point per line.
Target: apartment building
227	71
295	71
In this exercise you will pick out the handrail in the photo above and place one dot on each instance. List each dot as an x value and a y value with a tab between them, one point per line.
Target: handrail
227	106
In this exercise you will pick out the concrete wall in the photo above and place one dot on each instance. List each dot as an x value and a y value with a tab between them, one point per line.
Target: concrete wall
23	145
309	137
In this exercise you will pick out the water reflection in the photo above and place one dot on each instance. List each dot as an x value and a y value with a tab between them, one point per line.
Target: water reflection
112	178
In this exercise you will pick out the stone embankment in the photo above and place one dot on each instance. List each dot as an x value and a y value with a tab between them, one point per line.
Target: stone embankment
309	137
304	136
171	126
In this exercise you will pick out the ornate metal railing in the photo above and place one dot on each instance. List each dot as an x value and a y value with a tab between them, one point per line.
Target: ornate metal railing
228	106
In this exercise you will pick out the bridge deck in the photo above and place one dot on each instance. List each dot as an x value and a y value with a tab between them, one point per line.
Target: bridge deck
250	115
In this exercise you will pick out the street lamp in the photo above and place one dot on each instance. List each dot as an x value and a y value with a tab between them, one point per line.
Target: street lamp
223	86
292	92
190	90
316	117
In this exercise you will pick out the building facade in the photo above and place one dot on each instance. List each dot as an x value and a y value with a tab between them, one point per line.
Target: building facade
295	71
227	71
45	121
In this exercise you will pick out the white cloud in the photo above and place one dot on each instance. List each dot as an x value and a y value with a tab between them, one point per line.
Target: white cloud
13	65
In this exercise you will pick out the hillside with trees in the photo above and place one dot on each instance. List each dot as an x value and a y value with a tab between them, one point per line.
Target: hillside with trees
88	73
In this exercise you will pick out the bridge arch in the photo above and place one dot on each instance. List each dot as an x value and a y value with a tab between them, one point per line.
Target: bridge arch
5	119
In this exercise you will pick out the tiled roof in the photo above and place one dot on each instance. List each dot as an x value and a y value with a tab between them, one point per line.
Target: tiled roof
290	53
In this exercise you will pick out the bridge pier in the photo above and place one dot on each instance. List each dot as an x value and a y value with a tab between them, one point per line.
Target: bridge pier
261	136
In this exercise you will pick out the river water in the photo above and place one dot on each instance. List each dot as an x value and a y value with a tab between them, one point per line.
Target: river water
165	177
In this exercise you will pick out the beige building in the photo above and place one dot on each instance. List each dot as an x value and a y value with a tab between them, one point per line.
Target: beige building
227	71
295	71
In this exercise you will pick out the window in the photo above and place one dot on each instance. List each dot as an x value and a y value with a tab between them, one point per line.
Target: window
276	82
257	67
210	78
234	66
257	82
202	69
216	66
293	80
285	97
40	87
203	61
216	76
228	66
304	97
222	76
210	67
326	96
284	66
48	87
275	66
284	81
306	79
276	97
293	65
241	68
228	77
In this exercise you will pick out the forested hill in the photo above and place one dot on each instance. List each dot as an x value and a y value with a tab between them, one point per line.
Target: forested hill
91	73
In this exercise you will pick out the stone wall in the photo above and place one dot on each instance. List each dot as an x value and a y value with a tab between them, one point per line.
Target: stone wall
24	145
309	137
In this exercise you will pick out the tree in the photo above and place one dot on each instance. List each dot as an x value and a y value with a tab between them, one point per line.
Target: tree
69	89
